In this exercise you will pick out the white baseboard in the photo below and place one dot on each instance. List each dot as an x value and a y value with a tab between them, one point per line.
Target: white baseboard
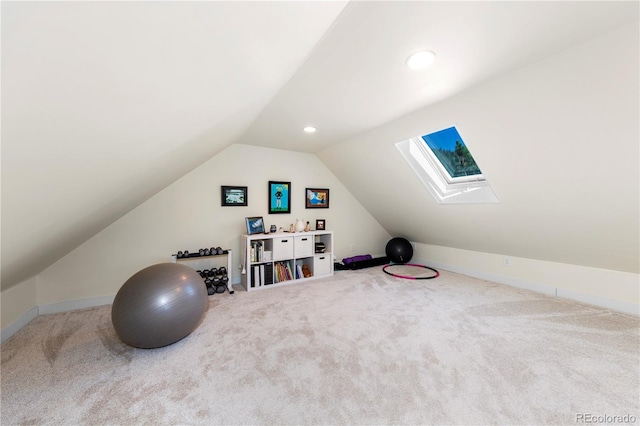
590	299
71	305
603	302
54	308
496	278
15	326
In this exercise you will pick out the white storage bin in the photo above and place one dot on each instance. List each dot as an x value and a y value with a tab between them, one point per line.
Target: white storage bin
303	246
322	264
283	248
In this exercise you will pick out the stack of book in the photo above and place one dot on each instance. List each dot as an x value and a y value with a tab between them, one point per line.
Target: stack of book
256	251
282	271
299	273
261	275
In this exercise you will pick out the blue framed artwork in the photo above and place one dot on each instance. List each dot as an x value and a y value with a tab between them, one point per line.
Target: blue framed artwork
255	225
279	197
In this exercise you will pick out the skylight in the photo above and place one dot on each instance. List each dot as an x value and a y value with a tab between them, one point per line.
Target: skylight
446	167
447	145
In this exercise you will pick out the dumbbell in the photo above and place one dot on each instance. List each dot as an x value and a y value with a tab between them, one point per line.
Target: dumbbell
210	289
222	274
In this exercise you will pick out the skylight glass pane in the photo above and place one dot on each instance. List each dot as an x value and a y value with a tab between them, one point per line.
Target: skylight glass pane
449	148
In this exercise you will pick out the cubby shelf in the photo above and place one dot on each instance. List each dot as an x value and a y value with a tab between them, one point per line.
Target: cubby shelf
272	260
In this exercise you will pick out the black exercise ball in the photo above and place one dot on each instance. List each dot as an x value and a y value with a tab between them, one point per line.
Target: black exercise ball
399	250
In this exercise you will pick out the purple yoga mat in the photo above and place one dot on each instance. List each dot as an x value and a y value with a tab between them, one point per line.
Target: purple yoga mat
348	260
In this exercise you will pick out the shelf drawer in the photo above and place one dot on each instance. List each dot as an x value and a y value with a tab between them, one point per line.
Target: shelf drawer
322	264
303	246
282	248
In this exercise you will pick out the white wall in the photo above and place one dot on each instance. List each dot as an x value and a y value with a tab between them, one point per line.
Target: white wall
188	215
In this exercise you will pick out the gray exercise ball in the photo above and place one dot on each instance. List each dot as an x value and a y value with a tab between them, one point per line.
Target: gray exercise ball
159	305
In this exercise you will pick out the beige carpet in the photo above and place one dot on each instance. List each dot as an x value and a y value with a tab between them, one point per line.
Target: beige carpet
358	348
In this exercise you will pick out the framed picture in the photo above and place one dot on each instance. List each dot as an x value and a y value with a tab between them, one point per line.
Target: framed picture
233	196
320	225
279	197
255	225
317	198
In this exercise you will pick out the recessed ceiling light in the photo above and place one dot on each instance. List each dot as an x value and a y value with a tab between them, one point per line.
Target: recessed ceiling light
420	60
309	129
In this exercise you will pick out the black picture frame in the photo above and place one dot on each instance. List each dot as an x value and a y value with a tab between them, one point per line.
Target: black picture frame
232	196
316	198
321	225
279	197
255	225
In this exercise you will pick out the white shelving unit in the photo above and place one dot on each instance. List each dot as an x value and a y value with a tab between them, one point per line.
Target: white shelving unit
208	261
272	260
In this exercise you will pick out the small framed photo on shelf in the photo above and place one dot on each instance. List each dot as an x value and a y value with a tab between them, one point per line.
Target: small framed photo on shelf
320	225
317	198
279	197
233	196
255	225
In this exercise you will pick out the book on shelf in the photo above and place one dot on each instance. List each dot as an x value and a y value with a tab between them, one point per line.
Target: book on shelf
282	271
288	271
299	273
257	251
255	276
268	273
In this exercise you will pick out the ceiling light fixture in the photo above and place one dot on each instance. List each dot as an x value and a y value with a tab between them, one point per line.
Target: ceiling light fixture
420	60
309	129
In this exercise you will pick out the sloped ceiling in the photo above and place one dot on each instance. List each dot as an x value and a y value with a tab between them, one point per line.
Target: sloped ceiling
356	79
105	103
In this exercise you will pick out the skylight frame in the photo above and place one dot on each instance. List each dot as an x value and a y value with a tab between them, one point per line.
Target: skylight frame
444	188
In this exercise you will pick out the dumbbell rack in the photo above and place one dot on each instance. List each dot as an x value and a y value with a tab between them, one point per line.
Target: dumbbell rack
193	258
